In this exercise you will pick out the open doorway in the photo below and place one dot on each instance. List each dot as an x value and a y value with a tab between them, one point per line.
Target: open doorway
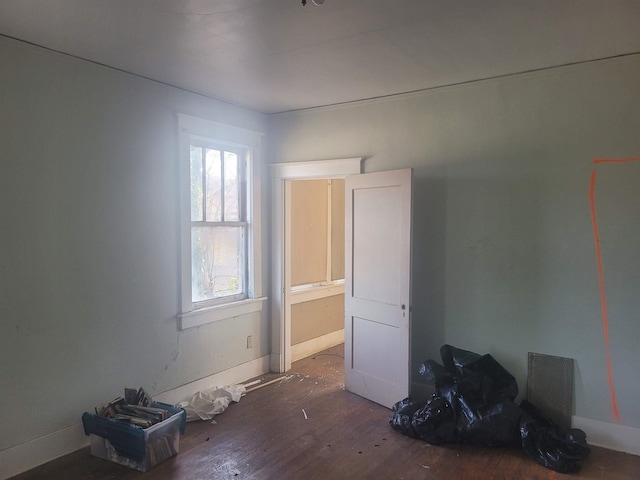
307	295
314	231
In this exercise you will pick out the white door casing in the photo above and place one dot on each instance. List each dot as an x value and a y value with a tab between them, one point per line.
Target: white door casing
378	285
281	291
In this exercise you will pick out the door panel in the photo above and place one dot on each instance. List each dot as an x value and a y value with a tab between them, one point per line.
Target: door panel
378	285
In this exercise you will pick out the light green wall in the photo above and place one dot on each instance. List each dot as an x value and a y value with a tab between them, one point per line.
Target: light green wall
503	248
89	242
503	244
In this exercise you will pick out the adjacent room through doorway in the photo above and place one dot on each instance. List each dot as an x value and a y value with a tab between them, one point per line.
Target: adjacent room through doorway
314	238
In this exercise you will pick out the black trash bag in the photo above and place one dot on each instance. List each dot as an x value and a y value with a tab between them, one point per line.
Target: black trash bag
474	403
477	421
480	393
435	421
455	359
431	370
494	426
550	445
481	378
401	417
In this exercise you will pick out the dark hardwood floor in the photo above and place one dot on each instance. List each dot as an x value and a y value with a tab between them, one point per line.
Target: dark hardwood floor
266	436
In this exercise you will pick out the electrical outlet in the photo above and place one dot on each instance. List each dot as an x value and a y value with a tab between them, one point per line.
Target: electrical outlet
250	341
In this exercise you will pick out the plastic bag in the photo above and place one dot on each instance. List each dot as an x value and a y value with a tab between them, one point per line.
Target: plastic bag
204	405
474	403
480	393
481	378
559	449
435	421
402	415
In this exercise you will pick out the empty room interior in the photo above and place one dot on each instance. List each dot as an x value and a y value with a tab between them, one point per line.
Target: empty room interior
199	193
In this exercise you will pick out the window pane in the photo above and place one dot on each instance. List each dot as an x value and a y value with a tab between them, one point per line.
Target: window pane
217	267
196	183
231	188
214	186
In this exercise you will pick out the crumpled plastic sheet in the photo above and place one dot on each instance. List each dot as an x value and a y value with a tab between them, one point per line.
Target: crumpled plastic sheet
204	405
474	403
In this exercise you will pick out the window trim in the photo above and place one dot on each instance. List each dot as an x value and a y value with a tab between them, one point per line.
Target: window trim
192	128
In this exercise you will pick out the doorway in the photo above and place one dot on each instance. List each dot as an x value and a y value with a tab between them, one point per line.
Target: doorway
288	298
314	233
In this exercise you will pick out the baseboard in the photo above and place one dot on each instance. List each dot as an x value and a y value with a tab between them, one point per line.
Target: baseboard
609	435
315	345
231	376
30	454
15	460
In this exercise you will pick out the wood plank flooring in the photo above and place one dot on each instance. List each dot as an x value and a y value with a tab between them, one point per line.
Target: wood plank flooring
267	436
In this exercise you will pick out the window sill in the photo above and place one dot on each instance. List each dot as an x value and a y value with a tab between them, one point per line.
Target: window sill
218	313
308	294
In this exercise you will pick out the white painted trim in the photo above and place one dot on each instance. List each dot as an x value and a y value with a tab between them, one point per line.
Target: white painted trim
315	345
275	359
316	293
320	168
329	232
217	313
200	128
280	172
621	438
209	129
231	376
23	457
287	276
278	360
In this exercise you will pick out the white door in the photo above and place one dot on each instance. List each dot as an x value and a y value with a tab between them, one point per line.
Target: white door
378	285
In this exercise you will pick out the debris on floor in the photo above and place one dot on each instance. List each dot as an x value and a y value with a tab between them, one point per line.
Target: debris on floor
204	405
259	384
474	403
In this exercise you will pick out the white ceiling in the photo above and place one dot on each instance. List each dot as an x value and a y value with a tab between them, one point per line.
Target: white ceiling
277	55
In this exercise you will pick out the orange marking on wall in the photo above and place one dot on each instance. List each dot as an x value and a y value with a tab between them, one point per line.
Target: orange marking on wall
615	160
603	297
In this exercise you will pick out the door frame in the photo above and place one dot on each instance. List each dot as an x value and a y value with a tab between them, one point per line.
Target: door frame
280	360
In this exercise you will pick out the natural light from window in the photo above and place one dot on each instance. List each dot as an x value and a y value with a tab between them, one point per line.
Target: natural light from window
218	224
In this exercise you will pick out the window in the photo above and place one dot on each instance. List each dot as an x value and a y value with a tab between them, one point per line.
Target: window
220	222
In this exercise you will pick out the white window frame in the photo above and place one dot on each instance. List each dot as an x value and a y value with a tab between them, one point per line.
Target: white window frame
196	314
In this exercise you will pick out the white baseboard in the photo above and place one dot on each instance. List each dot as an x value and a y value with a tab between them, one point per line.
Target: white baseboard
30	454
609	435
231	376
18	459
315	345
